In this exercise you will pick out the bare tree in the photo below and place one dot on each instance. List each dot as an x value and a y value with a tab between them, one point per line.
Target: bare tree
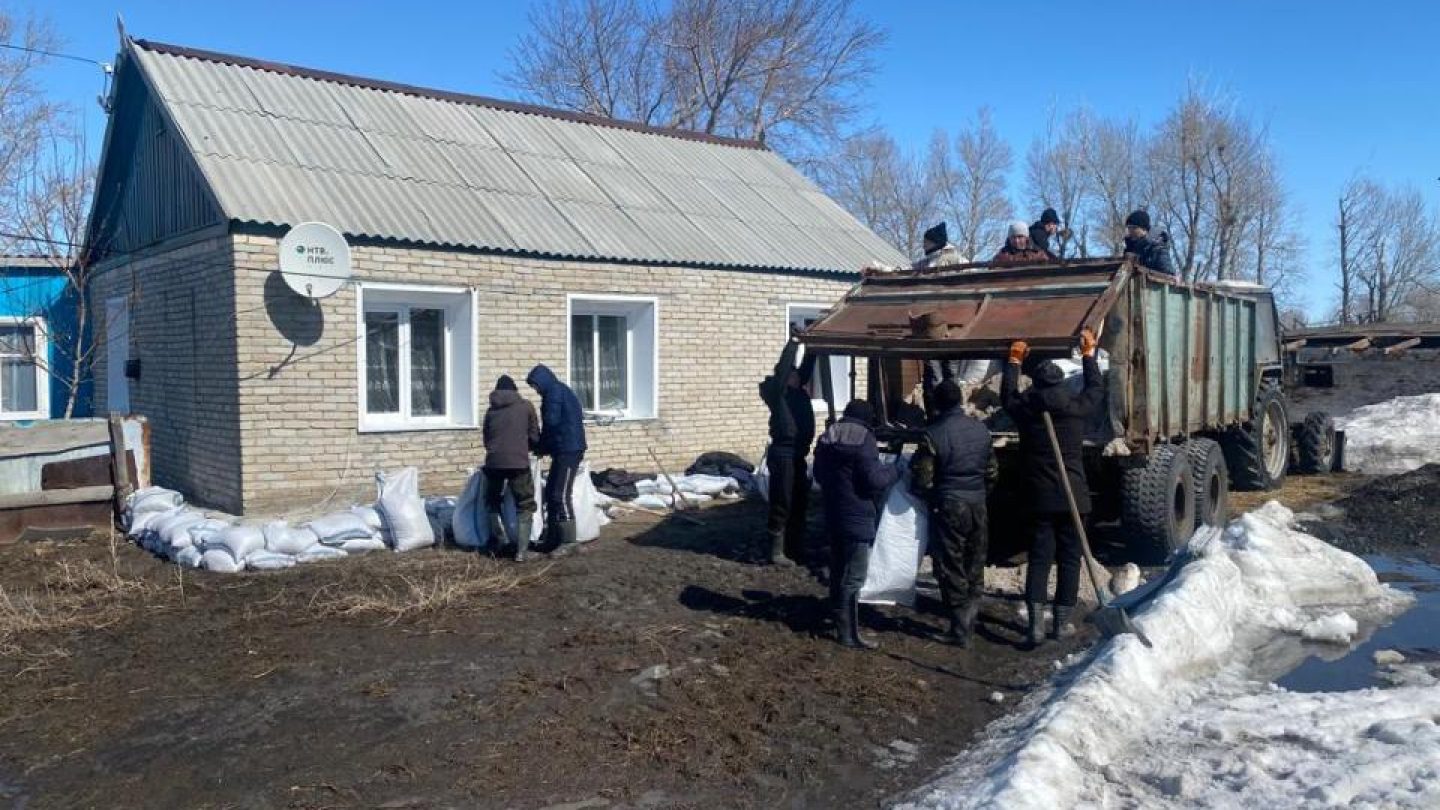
786	73
27	116
885	188
970	181
1358	211
1405	256
1110	154
1055	178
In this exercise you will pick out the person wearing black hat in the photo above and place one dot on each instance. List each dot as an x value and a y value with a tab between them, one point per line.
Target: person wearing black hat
1054	536
1150	252
938	250
511	432
951	471
792	431
1040	232
852	481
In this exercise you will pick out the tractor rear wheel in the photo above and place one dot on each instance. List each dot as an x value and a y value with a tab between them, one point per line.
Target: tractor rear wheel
1258	452
1315	444
1158	503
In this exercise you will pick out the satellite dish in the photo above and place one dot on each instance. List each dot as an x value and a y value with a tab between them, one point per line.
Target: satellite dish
314	259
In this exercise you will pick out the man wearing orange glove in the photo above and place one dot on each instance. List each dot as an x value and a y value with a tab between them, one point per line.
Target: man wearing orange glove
1054	539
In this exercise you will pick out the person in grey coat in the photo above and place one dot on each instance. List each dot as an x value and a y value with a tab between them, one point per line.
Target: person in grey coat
512	431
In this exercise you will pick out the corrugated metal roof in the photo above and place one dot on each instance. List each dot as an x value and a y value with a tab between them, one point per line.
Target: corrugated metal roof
281	145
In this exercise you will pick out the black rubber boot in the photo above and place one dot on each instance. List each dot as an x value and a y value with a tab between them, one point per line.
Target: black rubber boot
498	538
568	545
1035	635
522	539
1060	626
775	550
847	624
962	624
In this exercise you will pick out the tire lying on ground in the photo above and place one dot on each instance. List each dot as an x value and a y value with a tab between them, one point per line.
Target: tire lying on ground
1258	453
1157	503
1315	444
1212	481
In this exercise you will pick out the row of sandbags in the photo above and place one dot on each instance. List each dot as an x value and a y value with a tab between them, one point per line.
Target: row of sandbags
159	521
470	520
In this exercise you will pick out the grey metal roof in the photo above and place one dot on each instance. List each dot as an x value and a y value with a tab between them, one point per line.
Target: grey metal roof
280	145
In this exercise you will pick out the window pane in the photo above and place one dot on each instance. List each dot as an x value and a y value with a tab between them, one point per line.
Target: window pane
17	340
17	385
613	396
427	362
582	359
382	362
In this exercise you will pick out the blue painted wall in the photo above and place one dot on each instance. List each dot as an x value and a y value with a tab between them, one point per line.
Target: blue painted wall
31	291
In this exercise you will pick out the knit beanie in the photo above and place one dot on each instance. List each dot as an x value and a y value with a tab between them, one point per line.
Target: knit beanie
937	235
861	411
505	383
1049	216
947	395
1018	228
1138	218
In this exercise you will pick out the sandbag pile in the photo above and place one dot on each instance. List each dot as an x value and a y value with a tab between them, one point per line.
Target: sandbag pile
158	520
657	493
470	519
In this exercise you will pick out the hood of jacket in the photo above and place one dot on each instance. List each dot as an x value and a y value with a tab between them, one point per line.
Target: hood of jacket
542	378
846	433
504	398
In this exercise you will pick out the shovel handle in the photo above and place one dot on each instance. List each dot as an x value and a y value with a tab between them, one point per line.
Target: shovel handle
1101	593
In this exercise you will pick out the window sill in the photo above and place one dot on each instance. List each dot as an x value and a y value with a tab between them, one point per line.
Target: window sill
605	421
17	416
401	427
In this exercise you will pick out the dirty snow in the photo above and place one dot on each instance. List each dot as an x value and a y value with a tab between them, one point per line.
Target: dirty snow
1337	628
1188	723
1395	436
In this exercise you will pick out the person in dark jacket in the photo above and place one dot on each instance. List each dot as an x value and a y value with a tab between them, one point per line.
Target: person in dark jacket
1150	252
1040	232
1054	533
511	432
951	471
792	431
1017	249
852	480
562	438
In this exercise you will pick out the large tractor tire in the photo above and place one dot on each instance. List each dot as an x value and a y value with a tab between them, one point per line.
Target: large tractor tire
1258	452
1212	482
1315	444
1157	503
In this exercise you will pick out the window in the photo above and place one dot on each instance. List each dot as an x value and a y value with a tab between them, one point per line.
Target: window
416	358
24	386
612	365
803	315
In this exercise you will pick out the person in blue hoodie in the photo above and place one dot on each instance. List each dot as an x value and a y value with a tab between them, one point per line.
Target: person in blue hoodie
852	482
562	438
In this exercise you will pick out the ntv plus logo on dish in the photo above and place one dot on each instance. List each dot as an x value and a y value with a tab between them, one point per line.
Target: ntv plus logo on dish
315	255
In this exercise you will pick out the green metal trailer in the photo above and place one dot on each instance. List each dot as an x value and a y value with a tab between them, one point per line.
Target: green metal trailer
1194	397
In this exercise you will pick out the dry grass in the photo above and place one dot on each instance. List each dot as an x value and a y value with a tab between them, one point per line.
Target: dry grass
423	589
1300	492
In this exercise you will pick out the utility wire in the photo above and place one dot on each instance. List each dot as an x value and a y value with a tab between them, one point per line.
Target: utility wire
56	54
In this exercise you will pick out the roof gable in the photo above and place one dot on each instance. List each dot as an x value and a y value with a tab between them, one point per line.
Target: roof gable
279	145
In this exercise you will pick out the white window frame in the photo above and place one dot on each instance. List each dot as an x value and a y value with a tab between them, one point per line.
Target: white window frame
461	356
41	355
841	384
626	306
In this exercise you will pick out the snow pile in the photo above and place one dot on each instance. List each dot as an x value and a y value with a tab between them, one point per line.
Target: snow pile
1257	578
1391	437
1337	628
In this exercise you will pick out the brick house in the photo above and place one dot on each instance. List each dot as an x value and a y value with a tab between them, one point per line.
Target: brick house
654	270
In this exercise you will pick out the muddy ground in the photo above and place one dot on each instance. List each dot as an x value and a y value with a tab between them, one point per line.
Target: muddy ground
439	678
1396	515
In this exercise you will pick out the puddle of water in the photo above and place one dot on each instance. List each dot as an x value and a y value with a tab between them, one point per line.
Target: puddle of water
1415	634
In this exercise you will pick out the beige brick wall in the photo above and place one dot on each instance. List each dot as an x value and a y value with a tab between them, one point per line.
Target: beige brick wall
719	332
182	329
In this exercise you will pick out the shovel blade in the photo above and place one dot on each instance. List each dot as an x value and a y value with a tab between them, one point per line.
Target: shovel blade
1112	621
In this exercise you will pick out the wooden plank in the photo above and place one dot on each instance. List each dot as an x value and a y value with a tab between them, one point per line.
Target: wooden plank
56	497
1296	345
50	438
50	522
1402	346
118	458
93	471
1358	346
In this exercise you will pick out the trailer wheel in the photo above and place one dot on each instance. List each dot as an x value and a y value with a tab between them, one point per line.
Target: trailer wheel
1212	481
1315	444
1258	453
1158	503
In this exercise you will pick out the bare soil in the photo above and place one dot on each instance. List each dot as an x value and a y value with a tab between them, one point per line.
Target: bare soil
442	679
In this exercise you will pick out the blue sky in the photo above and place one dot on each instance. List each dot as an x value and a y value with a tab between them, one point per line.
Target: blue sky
1342	87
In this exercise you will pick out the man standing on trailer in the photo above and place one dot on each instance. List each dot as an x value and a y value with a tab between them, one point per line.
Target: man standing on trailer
1149	251
1055	538
1041	231
952	470
562	438
792	431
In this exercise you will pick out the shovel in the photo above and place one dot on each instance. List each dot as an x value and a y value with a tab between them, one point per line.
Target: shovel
1111	620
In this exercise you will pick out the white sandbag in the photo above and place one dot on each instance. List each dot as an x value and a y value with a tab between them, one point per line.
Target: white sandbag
340	527
205	529
652	501
707	484
240	541
172	530
141	523
370	515
589	516
360	545
189	557
760	480
440	509
319	552
220	560
268	561
154	499
900	544
281	538
399	503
